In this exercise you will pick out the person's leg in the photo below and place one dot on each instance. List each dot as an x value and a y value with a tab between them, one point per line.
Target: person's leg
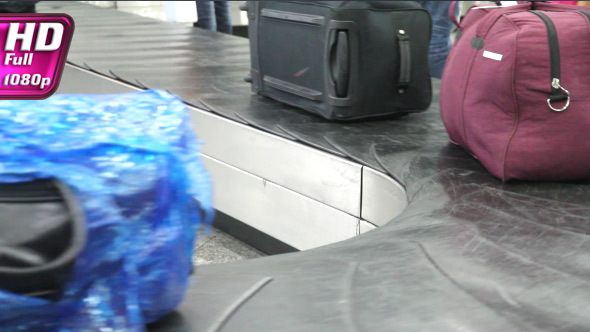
441	32
223	16
206	15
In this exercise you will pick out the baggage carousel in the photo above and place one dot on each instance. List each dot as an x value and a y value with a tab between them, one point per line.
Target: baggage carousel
400	230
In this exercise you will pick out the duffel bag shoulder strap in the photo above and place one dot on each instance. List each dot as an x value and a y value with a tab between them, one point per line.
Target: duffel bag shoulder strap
484	27
558	92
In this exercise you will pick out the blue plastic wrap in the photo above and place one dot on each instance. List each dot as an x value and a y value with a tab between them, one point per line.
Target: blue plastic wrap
133	163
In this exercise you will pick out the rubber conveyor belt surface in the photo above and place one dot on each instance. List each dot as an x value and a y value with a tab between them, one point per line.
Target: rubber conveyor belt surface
469	253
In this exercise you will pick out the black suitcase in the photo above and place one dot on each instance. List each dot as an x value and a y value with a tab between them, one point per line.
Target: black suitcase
343	60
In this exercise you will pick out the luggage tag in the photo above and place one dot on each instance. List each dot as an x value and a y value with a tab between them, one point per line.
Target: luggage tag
502	5
492	55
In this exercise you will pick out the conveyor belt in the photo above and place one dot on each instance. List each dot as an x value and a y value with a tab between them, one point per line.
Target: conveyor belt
468	253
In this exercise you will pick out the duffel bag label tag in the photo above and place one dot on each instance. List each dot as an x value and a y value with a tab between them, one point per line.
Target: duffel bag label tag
492	55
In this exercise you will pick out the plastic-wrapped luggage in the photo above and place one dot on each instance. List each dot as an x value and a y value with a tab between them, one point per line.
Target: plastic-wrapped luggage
342	60
515	91
100	197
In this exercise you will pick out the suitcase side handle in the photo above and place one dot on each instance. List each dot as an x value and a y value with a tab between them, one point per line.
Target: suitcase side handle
340	62
405	61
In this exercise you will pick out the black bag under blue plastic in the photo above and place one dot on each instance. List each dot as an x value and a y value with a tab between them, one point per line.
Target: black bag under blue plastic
133	163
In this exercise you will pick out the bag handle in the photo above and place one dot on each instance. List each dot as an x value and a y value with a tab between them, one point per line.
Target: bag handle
453	7
484	27
451	13
39	263
556	7
405	61
494	16
339	62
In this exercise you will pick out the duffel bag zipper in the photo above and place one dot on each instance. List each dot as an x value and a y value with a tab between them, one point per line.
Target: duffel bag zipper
558	92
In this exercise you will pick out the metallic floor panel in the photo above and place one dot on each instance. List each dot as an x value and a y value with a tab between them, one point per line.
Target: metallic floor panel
382	197
328	179
296	220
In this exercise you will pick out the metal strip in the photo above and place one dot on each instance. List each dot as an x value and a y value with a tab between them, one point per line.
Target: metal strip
290	217
293	88
292	17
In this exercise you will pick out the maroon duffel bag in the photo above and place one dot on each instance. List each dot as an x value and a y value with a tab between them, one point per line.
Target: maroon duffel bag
516	90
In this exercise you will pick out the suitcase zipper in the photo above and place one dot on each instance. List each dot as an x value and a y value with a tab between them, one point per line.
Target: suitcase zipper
405	64
558	92
586	13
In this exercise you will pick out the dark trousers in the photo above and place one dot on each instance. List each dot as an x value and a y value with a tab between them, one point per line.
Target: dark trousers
214	15
441	31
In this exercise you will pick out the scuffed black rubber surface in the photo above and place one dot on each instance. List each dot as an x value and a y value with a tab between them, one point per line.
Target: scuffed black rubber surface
468	254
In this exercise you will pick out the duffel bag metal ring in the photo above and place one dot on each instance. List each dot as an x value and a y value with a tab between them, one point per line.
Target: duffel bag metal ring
555	83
